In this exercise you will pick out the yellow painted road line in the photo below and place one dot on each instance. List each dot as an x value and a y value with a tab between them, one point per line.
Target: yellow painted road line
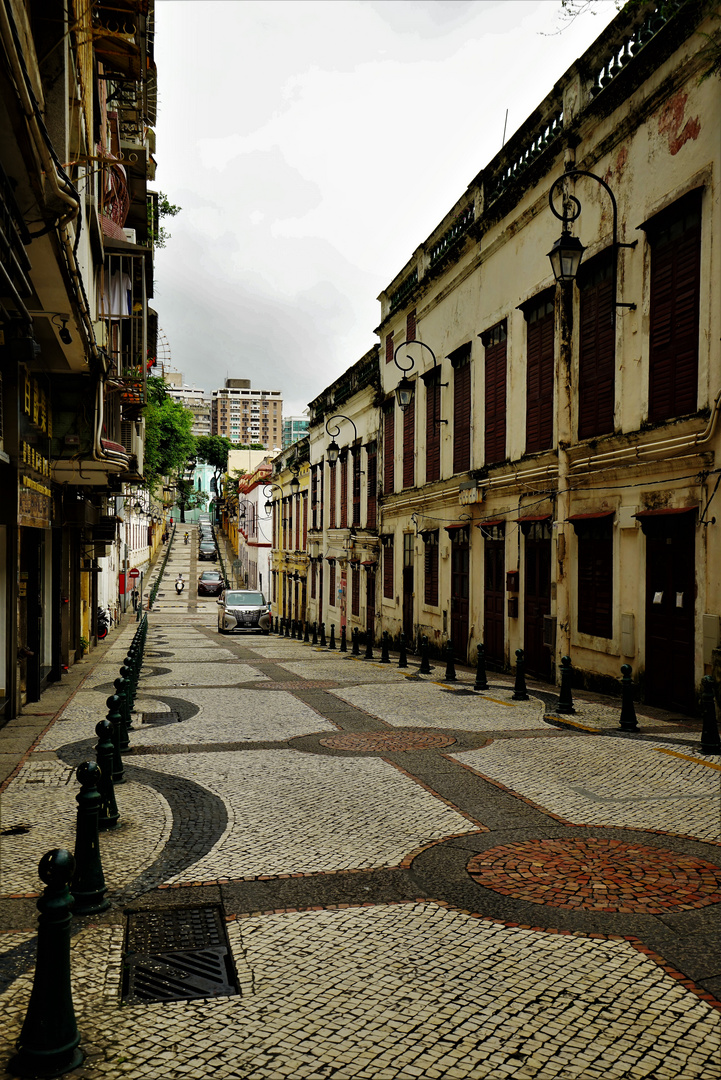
686	757
482	696
570	723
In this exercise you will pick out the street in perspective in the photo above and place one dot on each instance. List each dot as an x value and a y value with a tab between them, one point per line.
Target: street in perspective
330	865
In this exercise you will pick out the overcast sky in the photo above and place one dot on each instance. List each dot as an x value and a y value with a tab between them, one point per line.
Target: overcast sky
313	145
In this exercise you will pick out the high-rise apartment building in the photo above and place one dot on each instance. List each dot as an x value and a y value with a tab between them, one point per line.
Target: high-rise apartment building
244	415
294	428
193	399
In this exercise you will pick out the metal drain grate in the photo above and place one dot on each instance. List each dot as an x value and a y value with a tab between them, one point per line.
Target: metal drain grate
177	955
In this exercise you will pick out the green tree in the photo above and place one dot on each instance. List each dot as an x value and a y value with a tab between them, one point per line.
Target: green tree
169	444
213	450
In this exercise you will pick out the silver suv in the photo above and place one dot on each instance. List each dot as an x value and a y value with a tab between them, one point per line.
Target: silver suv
241	609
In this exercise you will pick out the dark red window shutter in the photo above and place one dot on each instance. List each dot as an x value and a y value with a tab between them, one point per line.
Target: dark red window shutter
596	356
539	375
673	330
321	480
389	424
409	444
314	497
595	577
372	486
411	325
494	342
344	492
305	519
332	497
431	569
356	485
433	428
388	567
461	409
389	348
313	580
297	522
331	583
355	589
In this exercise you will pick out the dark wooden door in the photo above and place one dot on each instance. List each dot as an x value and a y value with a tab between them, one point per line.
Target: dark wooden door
460	557
670	596
494	595
537	599
408	556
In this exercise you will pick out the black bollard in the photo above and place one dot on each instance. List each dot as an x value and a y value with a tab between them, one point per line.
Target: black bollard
710	743
450	675
323	641
121	686
115	719
275	625
343	640
519	690
315	634
628	709
355	649
287	628
104	751
88	885
282	627
331	644
306	635
564	705
385	646
403	655
369	645
48	1043
425	668
481	682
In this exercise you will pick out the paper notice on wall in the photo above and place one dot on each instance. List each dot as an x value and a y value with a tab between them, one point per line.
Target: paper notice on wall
679	599
657	597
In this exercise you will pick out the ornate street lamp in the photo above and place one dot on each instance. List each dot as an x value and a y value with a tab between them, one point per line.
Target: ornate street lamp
406	388
267	491
333	449
567	252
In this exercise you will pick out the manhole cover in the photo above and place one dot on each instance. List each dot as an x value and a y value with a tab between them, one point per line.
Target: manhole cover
159	718
391	740
177	955
598	875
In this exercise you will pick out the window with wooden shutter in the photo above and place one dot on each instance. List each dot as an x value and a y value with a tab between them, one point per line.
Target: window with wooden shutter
297	521
313	580
433	428
371	486
305	519
389	424
332	497
389	348
675	239
314	496
388	567
355	589
321	478
596	347
494	342
595	576
356	485
411	325
331	583
461	362
540	348
431	568
344	491
409	444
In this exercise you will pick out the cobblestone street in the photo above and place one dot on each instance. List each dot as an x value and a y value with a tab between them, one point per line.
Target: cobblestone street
417	880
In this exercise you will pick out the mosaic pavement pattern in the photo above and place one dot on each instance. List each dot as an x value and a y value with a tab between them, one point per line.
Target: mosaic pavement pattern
32	801
601	781
395	992
598	874
298	813
426	705
201	674
388	741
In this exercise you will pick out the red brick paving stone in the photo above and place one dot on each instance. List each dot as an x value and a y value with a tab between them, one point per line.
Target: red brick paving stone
383	741
598	875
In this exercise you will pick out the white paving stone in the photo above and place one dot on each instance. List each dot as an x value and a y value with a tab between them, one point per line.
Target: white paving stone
208	674
298	813
602	781
422	704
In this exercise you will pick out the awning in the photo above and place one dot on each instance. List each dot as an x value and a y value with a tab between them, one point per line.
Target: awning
591	517
370	562
662	517
531	519
665	510
455	528
494	521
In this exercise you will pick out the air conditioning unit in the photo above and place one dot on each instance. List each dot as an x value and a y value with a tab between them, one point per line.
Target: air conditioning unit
130	236
131	436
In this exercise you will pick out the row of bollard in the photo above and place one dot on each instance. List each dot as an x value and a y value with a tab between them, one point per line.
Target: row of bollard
75	885
159	576
710	741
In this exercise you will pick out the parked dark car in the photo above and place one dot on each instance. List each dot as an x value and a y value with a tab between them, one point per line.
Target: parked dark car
207	551
210	583
243	609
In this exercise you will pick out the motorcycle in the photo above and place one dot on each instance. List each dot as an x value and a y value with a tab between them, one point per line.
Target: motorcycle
179	586
186	539
103	624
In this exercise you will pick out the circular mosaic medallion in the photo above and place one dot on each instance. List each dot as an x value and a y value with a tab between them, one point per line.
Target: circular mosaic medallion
379	741
598	875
